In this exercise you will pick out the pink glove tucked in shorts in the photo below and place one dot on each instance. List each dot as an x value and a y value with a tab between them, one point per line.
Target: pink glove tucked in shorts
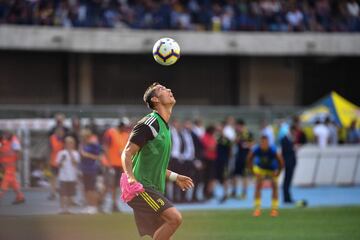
129	191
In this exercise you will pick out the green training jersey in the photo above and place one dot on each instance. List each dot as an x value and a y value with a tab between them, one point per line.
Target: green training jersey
151	162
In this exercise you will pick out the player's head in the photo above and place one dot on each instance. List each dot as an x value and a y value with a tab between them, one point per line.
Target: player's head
264	142
156	94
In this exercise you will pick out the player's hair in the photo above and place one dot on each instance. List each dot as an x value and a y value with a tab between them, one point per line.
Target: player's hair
264	137
149	93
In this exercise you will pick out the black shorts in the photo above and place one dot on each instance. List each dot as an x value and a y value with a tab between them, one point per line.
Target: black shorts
67	189
89	181
147	208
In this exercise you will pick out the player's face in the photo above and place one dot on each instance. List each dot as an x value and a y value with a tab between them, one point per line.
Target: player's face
164	95
264	143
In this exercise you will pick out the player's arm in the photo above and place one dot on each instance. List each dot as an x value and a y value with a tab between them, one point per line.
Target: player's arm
280	160
139	136
126	159
249	160
182	181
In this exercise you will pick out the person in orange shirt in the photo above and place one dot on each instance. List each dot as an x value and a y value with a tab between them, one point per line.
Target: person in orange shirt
114	143
56	142
10	150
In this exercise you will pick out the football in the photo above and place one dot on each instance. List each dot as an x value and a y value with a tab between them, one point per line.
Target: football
166	51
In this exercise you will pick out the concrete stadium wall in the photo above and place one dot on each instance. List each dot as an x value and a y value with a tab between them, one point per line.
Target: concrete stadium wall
335	165
207	43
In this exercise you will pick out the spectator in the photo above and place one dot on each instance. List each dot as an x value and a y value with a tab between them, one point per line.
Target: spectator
333	131
56	143
114	143
295	19
223	150
59	123
229	128
175	163
209	145
75	129
353	134
300	137
288	150
90	151
188	155
264	15
244	142
353	10
268	131
321	133
67	160
198	128
10	152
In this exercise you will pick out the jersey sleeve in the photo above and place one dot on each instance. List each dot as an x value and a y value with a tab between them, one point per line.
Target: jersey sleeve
144	131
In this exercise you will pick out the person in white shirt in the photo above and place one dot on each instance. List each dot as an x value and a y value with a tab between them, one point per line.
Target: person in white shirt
198	128
67	160
229	129
322	134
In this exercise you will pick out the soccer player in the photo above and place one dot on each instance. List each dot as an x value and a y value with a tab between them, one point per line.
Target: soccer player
265	162
145	160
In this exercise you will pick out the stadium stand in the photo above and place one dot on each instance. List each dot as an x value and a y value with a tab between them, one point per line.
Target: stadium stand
219	15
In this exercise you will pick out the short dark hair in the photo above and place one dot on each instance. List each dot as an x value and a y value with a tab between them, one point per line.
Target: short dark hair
149	93
240	121
264	137
210	129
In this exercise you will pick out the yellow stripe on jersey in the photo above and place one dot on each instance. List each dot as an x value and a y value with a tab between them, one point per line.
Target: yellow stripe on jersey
149	202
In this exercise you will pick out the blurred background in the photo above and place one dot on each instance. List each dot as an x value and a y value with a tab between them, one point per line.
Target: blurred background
247	68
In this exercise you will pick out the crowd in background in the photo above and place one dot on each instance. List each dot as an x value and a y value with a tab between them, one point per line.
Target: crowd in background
85	160
217	15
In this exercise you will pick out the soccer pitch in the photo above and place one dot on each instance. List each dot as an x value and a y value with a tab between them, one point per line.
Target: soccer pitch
308	223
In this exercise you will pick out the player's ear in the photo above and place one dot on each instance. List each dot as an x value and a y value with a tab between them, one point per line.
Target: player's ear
155	99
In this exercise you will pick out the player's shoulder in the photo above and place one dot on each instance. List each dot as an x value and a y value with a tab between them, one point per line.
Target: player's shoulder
149	120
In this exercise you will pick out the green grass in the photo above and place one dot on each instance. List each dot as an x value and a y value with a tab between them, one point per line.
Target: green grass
311	223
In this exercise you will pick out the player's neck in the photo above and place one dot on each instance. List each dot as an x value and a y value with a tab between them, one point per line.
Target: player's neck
164	112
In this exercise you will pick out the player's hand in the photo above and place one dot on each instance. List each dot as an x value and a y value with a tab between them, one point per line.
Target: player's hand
184	182
277	173
131	180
